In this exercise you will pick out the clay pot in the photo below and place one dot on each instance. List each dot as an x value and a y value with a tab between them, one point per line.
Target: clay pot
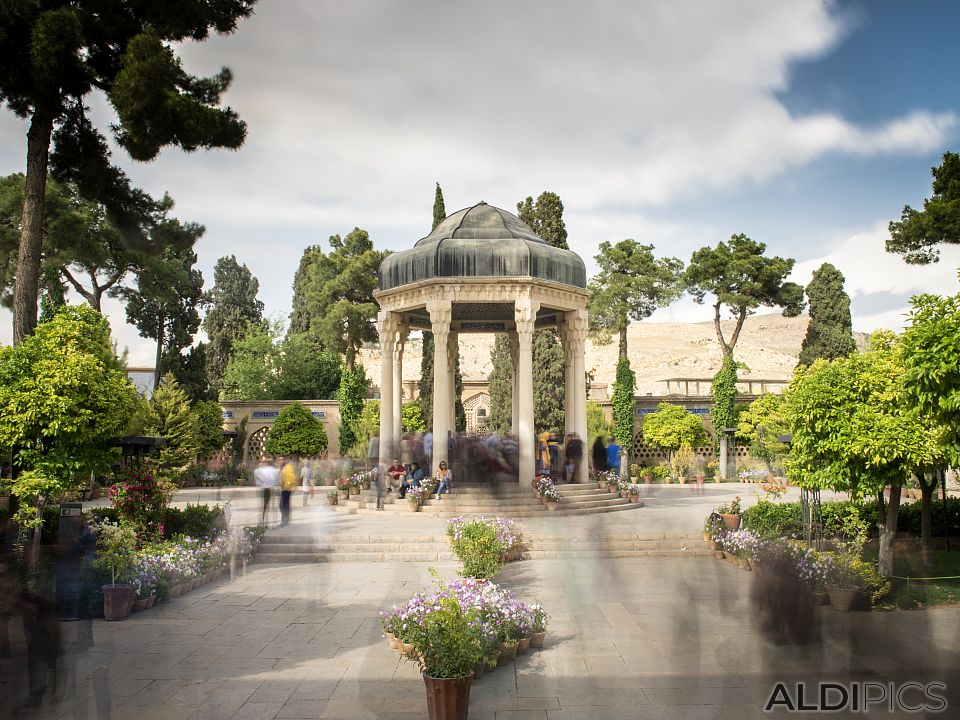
744	564
479	668
718	554
413	506
141	604
602	484
731	521
523	645
842	598
508	651
612	488
552	505
152	600
117	601
176	590
447	698
536	639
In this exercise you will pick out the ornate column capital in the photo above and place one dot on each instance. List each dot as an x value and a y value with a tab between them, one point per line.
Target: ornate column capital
525	315
387	322
441	311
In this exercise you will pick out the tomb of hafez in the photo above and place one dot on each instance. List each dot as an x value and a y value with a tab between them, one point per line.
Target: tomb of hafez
482	270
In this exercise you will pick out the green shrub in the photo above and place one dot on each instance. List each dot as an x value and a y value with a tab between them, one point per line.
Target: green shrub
773	520
197	521
479	550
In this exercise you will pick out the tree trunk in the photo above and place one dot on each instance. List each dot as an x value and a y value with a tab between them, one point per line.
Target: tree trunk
724	348
161	326
27	286
623	341
888	530
926	515
351	359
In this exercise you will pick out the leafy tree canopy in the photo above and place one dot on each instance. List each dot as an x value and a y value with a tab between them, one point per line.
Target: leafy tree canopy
264	367
55	53
761	423
631	285
672	427
296	432
412	416
545	218
739	276
209	427
830	332
919	233
63	395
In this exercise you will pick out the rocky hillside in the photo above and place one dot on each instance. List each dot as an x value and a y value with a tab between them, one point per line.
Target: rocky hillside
768	345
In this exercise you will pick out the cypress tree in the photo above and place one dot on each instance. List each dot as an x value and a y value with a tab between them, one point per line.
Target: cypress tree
624	402
501	386
426	358
439	210
830	332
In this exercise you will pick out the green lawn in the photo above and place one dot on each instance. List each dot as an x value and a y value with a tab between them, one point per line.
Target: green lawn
924	593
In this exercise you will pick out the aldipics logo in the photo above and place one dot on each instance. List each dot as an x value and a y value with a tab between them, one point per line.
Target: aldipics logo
860	697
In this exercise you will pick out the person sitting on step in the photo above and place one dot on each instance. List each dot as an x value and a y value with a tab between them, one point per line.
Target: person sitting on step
444	479
396	472
413	479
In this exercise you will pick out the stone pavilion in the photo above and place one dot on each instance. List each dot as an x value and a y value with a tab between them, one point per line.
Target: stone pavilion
482	270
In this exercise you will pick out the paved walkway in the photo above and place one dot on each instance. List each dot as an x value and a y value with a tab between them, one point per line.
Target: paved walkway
642	639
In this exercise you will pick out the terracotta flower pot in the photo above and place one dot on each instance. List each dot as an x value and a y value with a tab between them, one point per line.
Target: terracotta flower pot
354	491
175	590
612	489
718	554
413	506
197	582
552	505
407	647
744	563
536	639
153	600
447	698
842	598
117	601
141	604
479	668
731	521
343	494
508	651
523	645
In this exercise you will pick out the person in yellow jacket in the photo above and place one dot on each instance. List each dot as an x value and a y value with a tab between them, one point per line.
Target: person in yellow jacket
288	483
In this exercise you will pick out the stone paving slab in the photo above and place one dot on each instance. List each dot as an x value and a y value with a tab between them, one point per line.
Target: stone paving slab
629	638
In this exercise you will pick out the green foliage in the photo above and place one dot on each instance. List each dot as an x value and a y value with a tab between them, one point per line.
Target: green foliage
412	417
439	209
479	549
672	427
545	218
597	423
760	423
233	308
774	520
918	233
450	641
335	301
366	426
724	391
852	430
262	367
624	406
931	359
548	382
115	547
739	276
141	500
352	391
500	385
63	395
296	432
830	332
209	427
631	285
172	417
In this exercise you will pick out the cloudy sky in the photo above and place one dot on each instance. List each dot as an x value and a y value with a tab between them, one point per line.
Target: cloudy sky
805	125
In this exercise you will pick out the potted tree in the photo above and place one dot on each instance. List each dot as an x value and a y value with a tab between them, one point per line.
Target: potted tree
447	646
115	548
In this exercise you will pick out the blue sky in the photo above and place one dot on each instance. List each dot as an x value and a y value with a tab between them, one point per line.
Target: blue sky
806	125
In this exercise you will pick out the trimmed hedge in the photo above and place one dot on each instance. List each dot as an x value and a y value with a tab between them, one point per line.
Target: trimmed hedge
772	520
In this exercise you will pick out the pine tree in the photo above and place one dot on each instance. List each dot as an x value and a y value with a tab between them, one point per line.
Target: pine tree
501	386
172	417
830	332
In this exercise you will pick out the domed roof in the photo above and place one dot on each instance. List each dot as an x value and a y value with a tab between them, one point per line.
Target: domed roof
482	241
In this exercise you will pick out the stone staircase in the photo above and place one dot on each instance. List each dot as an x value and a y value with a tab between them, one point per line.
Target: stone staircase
288	547
505	500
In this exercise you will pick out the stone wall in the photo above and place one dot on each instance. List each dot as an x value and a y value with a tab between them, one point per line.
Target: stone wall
260	417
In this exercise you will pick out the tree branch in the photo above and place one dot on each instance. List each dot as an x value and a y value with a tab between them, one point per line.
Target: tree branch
83	292
741	316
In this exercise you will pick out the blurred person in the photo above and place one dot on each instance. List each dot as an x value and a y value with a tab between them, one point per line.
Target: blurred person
379	480
543	454
266	477
599	454
406	450
307	480
556	457
288	483
613	457
428	447
373	451
574	457
41	629
444	479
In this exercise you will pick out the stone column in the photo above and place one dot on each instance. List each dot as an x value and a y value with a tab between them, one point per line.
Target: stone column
439	310
577	334
453	350
387	327
569	395
514	392
525	314
397	399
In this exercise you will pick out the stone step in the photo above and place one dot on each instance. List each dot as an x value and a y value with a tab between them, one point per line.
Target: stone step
287	558
449	512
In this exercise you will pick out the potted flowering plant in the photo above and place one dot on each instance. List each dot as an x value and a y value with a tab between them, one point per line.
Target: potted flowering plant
447	646
115	549
730	513
602	479
355	484
343	488
538	625
633	493
548	492
415	497
332	497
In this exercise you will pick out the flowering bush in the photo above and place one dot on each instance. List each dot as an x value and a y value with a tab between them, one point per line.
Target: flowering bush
508	532
492	614
343	484
141	501
774	488
608	476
